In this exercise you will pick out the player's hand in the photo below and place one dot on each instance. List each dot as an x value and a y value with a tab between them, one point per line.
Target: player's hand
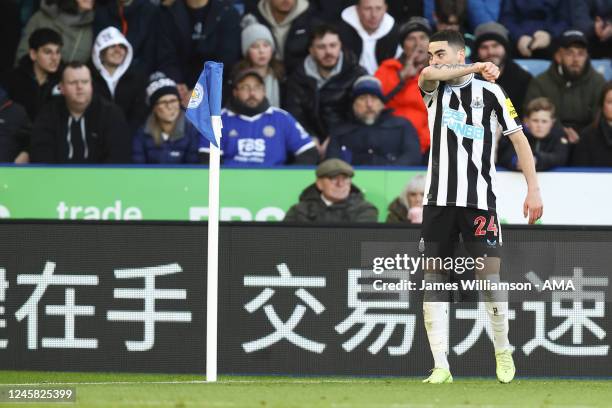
488	70
533	206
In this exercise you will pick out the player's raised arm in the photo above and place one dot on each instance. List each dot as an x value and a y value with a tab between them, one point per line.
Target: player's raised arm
446	72
533	206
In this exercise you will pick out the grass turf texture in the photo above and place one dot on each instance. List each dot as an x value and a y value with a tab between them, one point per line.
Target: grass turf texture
141	390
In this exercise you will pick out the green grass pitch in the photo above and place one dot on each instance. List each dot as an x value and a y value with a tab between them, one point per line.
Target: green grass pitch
144	390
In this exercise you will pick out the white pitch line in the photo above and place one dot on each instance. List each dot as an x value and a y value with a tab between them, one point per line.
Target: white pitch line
288	381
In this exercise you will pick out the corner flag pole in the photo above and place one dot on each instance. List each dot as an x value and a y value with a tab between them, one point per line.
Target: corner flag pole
213	254
204	112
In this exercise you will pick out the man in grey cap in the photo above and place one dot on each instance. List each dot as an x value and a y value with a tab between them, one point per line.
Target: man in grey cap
332	197
571	83
492	45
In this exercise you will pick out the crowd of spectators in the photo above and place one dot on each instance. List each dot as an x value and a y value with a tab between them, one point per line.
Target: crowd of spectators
305	81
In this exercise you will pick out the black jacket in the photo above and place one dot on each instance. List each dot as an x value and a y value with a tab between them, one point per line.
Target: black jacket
320	110
141	20
106	134
386	47
552	151
595	146
23	88
311	208
14	126
220	41
514	80
130	95
296	44
390	141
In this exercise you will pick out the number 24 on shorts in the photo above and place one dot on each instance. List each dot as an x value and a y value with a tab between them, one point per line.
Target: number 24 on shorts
480	223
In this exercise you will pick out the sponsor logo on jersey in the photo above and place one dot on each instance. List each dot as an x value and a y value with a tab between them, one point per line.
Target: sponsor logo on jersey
455	121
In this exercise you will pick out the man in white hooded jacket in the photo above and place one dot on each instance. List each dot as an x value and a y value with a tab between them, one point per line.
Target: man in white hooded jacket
113	77
370	32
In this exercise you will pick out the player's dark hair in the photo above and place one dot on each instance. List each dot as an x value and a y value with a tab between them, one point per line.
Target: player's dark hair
320	31
454	38
44	36
72	65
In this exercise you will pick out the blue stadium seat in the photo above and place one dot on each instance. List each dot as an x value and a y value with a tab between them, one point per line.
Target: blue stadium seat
537	66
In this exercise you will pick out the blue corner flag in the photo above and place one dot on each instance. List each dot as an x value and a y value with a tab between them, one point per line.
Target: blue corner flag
205	100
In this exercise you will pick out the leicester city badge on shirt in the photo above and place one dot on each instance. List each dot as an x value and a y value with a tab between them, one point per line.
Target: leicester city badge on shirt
269	131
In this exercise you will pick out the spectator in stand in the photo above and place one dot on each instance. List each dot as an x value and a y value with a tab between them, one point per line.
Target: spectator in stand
115	79
482	11
595	147
79	127
332	197
72	19
369	32
258	52
594	18
451	15
408	207
492	45
547	141
319	91
402	10
192	32
166	137
257	134
34	81
571	83
399	77
10	30
14	131
533	24
137	20
375	137
290	22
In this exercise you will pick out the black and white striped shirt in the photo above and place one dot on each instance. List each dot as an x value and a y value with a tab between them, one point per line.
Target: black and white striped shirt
463	121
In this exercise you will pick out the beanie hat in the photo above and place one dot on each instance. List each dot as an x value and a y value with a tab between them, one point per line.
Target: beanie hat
414	24
491	31
368	85
252	31
160	85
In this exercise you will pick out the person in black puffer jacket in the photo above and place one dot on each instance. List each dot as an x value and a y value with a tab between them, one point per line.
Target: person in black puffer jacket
548	144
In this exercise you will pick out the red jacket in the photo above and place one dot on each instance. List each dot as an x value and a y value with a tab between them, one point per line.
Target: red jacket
406	103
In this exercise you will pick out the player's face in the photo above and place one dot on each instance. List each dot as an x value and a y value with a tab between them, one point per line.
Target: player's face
167	109
76	86
371	13
260	53
85	5
540	123
573	60
607	107
440	52
491	51
335	189
367	108
47	57
250	92
416	40
114	55
326	50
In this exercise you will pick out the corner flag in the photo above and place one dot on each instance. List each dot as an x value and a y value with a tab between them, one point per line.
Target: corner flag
204	111
205	101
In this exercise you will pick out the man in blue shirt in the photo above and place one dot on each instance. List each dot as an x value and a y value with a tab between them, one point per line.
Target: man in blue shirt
257	134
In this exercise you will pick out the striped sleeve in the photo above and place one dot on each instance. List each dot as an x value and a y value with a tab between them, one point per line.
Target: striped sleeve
510	120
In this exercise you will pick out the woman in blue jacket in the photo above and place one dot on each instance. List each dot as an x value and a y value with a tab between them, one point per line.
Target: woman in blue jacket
166	137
